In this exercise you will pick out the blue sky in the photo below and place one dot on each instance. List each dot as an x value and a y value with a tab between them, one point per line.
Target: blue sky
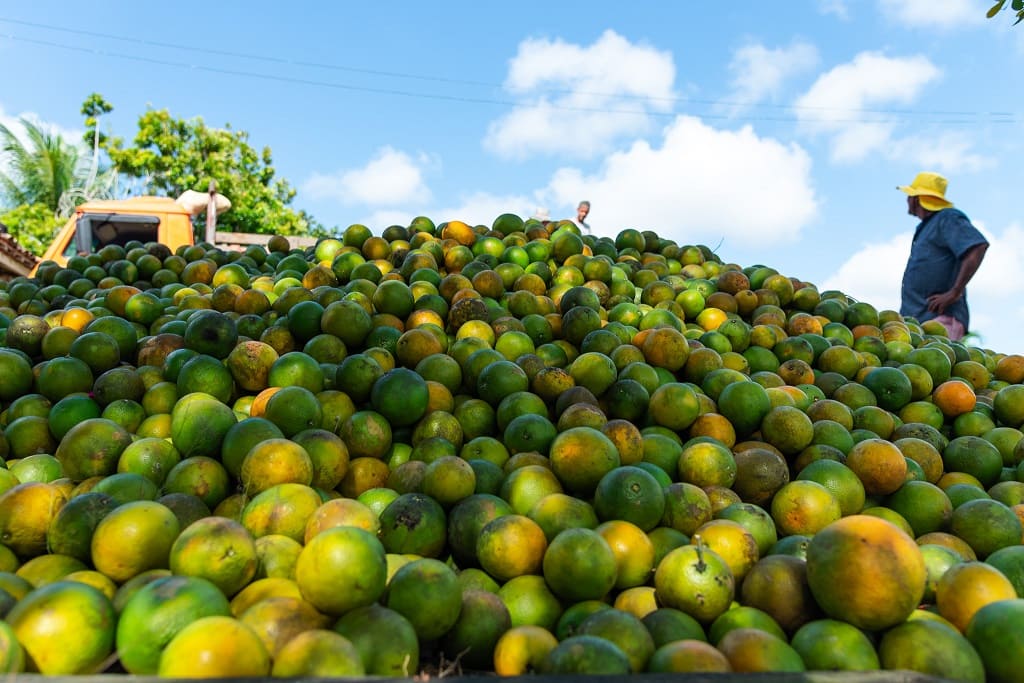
774	131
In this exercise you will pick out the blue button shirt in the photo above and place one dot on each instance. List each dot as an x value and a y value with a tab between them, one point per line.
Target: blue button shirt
940	242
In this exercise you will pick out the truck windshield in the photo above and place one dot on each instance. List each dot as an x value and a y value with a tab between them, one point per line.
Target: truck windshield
93	231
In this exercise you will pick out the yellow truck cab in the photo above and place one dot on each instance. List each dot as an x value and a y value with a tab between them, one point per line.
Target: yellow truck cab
99	223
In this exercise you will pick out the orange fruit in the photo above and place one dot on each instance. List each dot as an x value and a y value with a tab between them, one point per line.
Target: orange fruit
707	464
865	571
12	656
994	631
751	649
217	549
695	580
413	524
879	465
261	590
581	456
622	629
530	600
522	650
585	654
804	507
273	462
283	509
760	472
633	550
580	565
966	587
687	656
64	628
385	640
215	646
317	653
830	645
744	405
156	612
986	525
427	593
71	530
341	512
954	398
930	647
340	569
199	423
674	405
777	585
401	396
732	543
483	619
134	538
630	494
510	546
278	619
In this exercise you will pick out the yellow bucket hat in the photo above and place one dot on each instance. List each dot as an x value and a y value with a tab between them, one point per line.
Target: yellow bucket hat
931	188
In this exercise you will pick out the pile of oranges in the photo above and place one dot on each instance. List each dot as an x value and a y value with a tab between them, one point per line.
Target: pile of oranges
509	448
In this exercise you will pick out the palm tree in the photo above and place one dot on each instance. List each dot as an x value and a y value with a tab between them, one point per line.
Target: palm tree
51	171
41	171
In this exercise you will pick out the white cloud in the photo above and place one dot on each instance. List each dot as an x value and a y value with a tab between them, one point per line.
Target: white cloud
701	185
836	8
759	72
390	178
993	296
578	100
850	101
13	123
942	14
874	273
949	151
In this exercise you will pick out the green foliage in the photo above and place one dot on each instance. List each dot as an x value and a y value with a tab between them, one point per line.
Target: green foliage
168	156
1016	5
32	225
41	171
94	107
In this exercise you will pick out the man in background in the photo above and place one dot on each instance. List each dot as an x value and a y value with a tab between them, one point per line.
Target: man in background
944	255
582	211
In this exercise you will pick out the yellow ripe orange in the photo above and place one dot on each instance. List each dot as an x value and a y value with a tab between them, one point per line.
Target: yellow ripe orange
510	546
65	628
633	551
954	397
732	543
259	404
967	587
263	589
665	347
638	601
1010	369
879	464
26	511
215	647
522	649
866	571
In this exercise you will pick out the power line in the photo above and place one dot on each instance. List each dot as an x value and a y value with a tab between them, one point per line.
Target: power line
457	81
1004	118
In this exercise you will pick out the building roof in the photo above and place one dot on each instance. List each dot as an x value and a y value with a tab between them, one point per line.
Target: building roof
14	258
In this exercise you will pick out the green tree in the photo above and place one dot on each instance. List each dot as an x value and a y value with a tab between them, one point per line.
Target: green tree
1015	5
32	225
39	172
169	155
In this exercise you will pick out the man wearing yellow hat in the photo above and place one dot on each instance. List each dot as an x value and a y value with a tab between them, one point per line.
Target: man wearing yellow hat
944	256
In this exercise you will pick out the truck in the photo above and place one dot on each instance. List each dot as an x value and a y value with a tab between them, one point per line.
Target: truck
148	219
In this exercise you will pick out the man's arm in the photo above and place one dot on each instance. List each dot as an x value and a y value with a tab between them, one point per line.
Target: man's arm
938	303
